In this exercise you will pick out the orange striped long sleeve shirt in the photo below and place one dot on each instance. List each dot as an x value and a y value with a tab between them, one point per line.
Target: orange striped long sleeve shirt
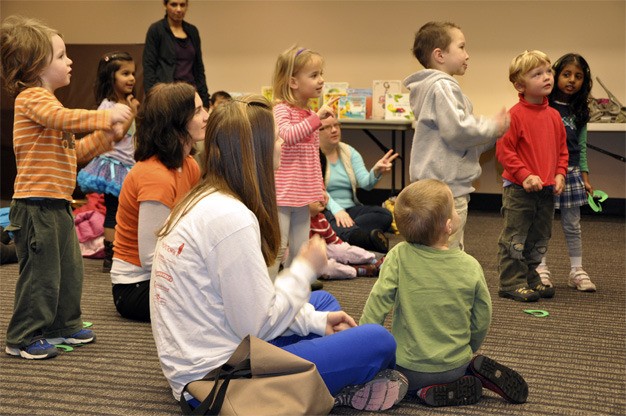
46	150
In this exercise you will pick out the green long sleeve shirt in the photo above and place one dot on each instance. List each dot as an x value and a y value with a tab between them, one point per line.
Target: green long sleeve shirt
441	306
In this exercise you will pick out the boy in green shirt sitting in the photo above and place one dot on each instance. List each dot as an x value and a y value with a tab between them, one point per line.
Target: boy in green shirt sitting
441	304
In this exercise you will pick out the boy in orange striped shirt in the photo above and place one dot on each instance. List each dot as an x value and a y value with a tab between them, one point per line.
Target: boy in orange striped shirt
48	291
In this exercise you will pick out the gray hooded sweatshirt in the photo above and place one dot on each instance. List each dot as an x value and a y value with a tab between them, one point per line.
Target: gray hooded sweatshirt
448	139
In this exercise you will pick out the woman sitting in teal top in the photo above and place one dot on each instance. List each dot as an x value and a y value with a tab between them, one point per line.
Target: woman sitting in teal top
344	171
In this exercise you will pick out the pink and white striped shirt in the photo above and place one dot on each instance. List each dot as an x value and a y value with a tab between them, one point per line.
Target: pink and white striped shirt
299	178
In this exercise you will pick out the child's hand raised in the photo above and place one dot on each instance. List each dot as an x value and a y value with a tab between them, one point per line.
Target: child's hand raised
502	120
314	252
120	113
133	103
327	109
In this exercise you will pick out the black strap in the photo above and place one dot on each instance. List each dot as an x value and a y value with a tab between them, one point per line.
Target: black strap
606	152
212	404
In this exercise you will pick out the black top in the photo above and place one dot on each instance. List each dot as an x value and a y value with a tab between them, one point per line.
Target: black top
159	57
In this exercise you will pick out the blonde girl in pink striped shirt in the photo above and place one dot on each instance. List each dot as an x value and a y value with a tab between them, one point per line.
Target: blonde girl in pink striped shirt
297	78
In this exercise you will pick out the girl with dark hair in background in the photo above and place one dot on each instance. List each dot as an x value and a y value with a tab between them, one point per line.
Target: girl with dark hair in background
115	83
571	98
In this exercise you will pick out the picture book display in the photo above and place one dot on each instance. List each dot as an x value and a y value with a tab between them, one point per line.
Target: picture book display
380	89
398	107
357	105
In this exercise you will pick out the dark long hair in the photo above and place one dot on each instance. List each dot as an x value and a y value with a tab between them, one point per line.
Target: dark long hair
162	123
579	102
109	64
238	161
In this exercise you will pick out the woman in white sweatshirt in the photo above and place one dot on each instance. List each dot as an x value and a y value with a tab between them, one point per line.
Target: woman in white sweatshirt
210	285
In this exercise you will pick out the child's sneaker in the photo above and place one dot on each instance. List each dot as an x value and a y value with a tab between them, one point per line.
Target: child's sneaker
579	279
545	275
466	390
386	389
544	291
499	378
84	336
521	294
379	262
366	270
37	350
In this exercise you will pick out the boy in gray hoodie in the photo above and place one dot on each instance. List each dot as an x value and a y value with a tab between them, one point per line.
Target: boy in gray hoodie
448	139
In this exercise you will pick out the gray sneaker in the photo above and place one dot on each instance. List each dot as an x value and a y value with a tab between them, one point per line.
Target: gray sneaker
386	389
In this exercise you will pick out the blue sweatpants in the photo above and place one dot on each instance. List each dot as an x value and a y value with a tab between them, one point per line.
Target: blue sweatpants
353	356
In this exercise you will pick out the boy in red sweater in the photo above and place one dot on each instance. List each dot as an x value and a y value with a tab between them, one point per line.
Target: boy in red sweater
533	153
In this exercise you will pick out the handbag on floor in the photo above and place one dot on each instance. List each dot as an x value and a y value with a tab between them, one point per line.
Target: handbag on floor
260	379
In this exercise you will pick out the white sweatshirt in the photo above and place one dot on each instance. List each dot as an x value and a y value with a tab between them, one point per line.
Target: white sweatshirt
448	139
210	288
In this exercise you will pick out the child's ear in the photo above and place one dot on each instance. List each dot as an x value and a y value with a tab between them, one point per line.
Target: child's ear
520	87
437	56
293	83
448	227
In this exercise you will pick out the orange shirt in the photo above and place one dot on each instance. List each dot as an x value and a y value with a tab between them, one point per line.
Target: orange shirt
46	151
148	180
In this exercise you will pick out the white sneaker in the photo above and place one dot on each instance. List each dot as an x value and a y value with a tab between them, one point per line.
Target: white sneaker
544	274
579	279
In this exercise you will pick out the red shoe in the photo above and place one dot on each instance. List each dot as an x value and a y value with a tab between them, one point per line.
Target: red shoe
466	390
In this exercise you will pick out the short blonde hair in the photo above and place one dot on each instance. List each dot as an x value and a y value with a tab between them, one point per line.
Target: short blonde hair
422	210
26	50
526	61
288	64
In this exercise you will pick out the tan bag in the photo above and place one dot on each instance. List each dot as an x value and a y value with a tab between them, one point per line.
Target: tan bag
260	379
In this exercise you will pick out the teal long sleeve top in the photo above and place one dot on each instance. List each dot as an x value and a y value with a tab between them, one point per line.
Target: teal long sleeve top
339	188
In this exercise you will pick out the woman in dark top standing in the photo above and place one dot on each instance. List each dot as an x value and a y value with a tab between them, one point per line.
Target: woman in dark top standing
172	51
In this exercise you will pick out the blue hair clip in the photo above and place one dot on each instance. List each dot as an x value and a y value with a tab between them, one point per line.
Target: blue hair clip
300	51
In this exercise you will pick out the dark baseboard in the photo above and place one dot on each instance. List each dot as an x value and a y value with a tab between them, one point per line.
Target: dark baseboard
493	202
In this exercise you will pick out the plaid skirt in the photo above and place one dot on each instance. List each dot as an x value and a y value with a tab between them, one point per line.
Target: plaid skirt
574	194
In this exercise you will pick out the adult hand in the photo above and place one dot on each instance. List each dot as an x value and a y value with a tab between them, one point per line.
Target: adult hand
338	321
120	113
326	110
532	183
314	252
385	163
344	219
559	184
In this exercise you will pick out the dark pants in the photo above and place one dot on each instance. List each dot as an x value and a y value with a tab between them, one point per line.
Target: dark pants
525	235
50	283
110	202
366	218
132	301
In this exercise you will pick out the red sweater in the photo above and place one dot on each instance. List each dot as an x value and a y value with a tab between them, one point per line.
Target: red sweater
321	226
535	144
